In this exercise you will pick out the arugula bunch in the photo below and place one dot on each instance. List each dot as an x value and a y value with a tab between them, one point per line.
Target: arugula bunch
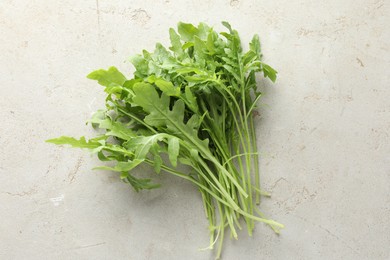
194	102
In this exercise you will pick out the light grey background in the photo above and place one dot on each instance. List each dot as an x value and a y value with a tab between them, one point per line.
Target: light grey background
323	131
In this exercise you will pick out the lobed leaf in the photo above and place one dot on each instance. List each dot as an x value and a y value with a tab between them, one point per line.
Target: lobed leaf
73	142
108	77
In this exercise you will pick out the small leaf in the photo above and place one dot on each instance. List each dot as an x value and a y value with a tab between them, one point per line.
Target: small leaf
113	128
227	25
157	161
249	57
141	145
203	31
167	87
231	70
188	69
175	41
173	150
124	175
187	45
210	44
195	154
108	77
191	100
121	166
128	84
269	72
140	184
187	31
141	65
160	54
81	143
200	48
197	78
254	45
129	165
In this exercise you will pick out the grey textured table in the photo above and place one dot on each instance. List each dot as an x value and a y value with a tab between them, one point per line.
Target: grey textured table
324	131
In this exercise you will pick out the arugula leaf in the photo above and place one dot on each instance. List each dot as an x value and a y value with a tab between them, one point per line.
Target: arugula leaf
141	65
269	72
161	117
187	31
167	87
113	128
121	166
137	183
176	43
108	77
173	150
73	142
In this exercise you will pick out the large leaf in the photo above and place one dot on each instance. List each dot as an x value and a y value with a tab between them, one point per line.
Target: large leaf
162	117
141	145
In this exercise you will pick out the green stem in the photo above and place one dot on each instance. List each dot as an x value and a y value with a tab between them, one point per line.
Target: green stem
256	161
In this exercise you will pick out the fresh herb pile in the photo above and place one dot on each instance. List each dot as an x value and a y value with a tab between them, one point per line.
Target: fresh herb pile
194	102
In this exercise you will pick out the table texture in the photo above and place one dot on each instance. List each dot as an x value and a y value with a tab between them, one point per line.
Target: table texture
323	131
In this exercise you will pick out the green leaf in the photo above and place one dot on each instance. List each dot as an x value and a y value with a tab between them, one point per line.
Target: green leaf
141	145
233	72
203	31
128	84
248	57
227	25
195	154
117	150
254	45
167	87
200	48
210	44
121	166
108	77
157	160
187	31
162	117
81	143
269	72
113	128
189	69
197	78
187	45
191	100
139	184
160	54
141	65
175	42
173	150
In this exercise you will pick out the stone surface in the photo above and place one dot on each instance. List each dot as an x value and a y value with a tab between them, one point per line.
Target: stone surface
324	131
